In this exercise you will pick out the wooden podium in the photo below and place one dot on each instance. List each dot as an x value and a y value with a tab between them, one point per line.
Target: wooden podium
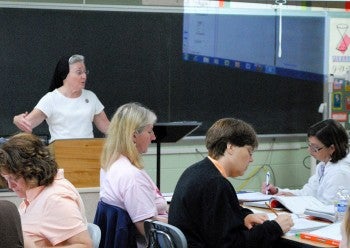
80	159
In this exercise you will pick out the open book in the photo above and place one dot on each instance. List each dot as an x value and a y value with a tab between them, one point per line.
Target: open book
297	204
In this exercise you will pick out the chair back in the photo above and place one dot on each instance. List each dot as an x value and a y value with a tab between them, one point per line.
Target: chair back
162	235
117	229
95	234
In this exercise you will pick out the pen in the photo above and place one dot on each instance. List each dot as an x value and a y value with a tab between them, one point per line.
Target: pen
267	182
271	208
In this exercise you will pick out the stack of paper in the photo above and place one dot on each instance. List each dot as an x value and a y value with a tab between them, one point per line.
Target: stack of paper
253	196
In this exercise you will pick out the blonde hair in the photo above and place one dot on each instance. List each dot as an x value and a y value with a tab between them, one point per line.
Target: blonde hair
129	119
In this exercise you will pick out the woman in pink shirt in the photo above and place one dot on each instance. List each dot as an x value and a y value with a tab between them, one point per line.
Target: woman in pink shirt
123	181
52	211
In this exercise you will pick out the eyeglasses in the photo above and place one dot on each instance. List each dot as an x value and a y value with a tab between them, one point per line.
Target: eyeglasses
250	151
79	73
314	149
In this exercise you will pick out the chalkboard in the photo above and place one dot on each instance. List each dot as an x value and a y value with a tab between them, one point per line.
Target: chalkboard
137	56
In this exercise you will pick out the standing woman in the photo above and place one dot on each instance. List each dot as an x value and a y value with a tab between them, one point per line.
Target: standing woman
68	108
328	142
123	181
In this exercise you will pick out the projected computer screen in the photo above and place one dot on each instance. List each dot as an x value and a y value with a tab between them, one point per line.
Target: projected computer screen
252	41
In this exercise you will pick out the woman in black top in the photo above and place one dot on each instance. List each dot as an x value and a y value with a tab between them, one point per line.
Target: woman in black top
205	205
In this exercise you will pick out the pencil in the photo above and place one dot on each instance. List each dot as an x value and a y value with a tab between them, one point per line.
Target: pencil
271	208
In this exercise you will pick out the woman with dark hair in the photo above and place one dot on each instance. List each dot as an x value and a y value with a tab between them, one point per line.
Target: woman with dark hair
328	142
68	108
52	211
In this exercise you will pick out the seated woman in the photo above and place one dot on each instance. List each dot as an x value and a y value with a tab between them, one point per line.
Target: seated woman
124	183
328	143
52	211
205	206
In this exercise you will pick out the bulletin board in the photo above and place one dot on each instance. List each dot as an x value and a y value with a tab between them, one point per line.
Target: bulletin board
339	68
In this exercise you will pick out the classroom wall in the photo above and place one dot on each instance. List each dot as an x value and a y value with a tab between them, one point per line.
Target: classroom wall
285	157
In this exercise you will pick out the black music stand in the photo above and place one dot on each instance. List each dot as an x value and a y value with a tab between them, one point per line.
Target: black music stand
170	132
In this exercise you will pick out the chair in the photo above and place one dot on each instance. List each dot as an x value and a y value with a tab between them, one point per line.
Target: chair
11	234
95	234
162	235
117	229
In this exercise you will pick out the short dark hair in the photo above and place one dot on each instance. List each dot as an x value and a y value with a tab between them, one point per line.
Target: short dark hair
229	130
331	132
25	155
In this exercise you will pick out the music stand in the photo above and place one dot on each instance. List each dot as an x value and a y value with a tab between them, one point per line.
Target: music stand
170	132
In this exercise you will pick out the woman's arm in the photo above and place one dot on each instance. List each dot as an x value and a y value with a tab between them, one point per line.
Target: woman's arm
81	240
101	121
27	122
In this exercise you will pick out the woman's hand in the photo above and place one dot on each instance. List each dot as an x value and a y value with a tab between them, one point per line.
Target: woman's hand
253	219
21	122
269	188
285	221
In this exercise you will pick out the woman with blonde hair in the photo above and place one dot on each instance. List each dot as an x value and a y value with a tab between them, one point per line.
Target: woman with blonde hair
123	181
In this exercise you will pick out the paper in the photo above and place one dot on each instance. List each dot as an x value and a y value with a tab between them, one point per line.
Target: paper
168	196
253	196
331	231
300	223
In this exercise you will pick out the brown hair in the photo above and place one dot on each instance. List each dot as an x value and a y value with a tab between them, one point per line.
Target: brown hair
25	155
229	130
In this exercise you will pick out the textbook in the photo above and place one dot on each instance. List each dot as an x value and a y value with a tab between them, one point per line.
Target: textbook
330	234
296	204
326	212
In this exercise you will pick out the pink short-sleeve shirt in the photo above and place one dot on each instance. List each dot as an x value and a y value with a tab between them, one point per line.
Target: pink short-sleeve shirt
53	214
132	189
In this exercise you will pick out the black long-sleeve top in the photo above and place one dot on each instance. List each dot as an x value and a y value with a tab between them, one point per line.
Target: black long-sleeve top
206	208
